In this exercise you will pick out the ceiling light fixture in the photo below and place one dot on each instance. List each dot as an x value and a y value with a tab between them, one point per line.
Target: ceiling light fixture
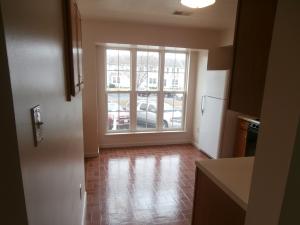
197	3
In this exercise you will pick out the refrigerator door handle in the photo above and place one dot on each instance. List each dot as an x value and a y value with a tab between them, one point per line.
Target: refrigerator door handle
202	104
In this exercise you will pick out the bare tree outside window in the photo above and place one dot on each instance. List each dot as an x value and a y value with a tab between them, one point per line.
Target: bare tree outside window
147	68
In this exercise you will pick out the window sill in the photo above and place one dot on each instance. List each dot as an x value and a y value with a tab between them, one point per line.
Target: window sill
145	132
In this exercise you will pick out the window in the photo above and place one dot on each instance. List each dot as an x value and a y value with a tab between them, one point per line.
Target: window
152	81
174	89
147	67
118	85
118	67
174	83
146	115
150	97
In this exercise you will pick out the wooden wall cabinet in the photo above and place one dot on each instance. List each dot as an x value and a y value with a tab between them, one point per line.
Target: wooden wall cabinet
253	34
212	206
73	44
220	58
241	138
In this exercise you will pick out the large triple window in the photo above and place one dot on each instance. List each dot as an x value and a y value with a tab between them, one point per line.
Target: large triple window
145	90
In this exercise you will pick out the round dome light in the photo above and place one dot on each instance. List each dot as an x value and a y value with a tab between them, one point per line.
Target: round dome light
197	3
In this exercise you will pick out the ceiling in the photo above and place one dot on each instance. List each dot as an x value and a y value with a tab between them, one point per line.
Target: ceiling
221	15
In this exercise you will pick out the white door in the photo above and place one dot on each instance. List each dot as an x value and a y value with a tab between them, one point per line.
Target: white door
210	130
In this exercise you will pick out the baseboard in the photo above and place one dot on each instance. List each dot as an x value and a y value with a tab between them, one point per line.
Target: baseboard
196	145
91	155
84	209
142	144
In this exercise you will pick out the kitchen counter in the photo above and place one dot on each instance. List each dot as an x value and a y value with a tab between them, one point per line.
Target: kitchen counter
232	175
249	119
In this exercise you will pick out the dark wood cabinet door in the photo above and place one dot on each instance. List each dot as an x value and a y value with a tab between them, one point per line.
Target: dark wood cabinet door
73	37
241	139
74	40
79	50
212	206
240	146
252	42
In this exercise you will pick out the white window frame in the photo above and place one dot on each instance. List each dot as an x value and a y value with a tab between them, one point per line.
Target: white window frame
184	91
117	92
160	92
137	130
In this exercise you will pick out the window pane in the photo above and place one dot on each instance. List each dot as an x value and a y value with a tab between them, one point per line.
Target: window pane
168	81
178	82
141	81
124	60
146	110
147	81
169	61
112	80
118	70
180	62
124	79
153	61
153	81
147	71
112	108
112	59
141	61
174	71
113	102
124	104
173	110
123	121
118	107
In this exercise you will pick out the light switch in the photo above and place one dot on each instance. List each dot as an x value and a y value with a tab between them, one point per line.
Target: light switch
37	124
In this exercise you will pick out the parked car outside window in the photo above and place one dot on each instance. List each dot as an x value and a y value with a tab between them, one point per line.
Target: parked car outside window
147	116
118	119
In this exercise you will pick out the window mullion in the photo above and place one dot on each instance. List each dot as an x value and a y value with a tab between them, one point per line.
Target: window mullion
133	93
160	96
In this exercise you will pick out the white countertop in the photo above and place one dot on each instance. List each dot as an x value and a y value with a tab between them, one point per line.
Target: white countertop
232	175
249	119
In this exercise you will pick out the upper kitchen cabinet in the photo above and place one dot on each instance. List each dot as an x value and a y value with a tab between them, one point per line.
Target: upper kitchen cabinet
73	40
220	58
252	42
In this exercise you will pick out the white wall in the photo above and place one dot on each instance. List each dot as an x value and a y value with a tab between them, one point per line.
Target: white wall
227	37
146	34
95	32
280	116
53	171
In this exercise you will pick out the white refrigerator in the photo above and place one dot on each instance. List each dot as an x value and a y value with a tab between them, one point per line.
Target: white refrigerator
213	108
